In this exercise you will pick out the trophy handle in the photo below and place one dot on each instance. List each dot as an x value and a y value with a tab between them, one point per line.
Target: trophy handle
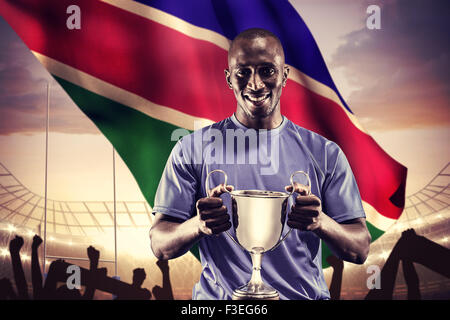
292	192
207	189
307	177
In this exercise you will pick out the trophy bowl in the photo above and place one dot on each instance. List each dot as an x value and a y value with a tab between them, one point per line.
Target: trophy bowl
258	218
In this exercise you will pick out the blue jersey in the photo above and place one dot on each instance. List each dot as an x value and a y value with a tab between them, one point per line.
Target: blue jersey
263	160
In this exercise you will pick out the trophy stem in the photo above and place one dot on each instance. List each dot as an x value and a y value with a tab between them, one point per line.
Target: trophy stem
256	289
256	280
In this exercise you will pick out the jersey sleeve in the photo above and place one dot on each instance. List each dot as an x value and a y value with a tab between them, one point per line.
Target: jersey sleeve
177	189
341	199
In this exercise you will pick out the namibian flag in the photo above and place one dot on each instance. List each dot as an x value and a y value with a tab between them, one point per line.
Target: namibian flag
141	69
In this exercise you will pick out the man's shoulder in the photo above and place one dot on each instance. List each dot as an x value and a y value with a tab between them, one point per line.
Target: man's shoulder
205	131
192	143
325	153
311	139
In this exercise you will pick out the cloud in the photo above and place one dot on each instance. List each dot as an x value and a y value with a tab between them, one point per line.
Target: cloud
23	93
401	71
23	103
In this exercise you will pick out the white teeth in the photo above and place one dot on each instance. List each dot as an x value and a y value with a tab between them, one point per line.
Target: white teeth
259	99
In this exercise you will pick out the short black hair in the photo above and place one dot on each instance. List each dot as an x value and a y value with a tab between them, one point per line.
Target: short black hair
254	33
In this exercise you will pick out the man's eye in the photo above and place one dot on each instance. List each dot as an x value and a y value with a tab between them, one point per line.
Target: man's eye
267	72
243	73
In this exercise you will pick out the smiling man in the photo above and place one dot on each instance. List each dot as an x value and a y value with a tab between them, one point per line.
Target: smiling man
330	210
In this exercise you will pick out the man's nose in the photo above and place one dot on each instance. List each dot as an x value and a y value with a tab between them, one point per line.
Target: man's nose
255	83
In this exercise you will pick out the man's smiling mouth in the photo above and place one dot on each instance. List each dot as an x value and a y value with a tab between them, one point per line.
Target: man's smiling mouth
257	100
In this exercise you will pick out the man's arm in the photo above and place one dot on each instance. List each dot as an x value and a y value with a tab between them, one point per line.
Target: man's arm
172	237
349	240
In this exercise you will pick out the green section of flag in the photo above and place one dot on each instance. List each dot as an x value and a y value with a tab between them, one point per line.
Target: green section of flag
374	232
144	143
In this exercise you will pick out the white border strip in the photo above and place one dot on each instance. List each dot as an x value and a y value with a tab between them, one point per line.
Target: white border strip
171	21
122	96
324	91
376	219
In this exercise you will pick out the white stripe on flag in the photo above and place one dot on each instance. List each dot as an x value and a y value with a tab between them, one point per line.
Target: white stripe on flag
376	219
120	95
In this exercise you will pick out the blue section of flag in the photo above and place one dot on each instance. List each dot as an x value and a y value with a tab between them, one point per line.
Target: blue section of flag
230	17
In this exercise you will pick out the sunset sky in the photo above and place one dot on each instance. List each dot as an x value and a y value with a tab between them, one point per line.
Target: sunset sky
395	80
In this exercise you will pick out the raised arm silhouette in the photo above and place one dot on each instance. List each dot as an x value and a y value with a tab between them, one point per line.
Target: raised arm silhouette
36	275
19	276
164	292
336	280
411	279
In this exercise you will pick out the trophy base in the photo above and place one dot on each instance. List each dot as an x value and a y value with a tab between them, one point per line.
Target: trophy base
263	292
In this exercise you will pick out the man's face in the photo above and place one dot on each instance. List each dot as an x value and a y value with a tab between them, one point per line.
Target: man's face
257	74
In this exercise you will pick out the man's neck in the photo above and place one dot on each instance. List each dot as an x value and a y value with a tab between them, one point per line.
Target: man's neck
270	122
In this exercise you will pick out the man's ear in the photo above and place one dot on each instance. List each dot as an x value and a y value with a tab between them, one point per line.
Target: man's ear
285	75
228	78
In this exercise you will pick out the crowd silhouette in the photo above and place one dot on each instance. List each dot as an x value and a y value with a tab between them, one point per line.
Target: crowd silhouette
55	286
410	248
